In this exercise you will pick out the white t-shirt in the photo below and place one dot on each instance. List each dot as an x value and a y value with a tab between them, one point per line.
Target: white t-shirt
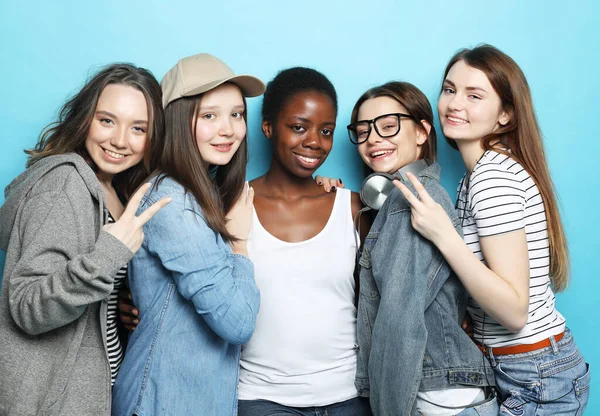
498	197
303	351
427	400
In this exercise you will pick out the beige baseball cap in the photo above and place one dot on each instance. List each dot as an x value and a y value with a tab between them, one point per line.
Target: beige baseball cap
199	73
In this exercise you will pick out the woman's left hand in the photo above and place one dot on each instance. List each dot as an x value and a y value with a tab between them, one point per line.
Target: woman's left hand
427	216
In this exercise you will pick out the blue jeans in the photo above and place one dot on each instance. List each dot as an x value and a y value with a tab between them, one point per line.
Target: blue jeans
359	406
488	408
550	381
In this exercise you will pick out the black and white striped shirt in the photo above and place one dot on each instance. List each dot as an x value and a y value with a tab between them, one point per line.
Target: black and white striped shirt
115	349
498	197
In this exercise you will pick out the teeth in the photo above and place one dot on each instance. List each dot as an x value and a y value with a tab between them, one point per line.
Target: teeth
113	154
457	120
307	159
381	152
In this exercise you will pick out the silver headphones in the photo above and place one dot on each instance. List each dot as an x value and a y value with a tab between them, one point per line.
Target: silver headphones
378	186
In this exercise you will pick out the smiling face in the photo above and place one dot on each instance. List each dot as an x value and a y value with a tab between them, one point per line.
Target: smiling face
302	133
390	154
220	125
118	133
469	107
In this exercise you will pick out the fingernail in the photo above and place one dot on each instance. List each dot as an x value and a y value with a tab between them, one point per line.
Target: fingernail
319	183
136	321
340	180
333	188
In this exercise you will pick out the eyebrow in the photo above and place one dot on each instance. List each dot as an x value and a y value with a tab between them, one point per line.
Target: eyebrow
215	107
305	120
447	81
109	114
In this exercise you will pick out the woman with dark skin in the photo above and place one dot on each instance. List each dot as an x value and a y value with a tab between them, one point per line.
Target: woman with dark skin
302	356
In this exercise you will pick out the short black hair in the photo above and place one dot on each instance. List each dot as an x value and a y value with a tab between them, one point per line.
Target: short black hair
291	81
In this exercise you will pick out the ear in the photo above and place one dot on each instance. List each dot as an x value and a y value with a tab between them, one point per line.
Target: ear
267	129
504	118
423	132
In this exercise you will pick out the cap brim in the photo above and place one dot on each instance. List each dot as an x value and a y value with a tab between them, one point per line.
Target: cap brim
249	85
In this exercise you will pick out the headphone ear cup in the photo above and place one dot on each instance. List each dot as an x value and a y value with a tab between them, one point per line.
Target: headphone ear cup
375	189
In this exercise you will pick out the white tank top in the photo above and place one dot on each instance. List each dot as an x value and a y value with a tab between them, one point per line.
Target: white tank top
303	350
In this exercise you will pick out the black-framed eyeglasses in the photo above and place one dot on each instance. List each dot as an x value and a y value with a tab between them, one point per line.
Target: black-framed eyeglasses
386	125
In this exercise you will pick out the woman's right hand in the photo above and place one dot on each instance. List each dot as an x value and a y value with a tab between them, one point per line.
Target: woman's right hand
129	228
328	184
128	313
427	216
239	217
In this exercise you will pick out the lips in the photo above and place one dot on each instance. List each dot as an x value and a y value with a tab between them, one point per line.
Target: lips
378	154
222	147
456	120
308	162
114	155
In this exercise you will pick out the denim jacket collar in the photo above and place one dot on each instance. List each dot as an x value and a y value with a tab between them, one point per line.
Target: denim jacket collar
432	171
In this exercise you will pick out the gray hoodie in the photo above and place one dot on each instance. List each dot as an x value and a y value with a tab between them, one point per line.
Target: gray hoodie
59	272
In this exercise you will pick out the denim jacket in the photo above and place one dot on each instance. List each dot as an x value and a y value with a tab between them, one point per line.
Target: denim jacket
411	307
197	302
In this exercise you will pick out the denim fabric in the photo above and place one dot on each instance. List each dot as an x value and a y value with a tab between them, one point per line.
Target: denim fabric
358	406
550	381
489	408
410	311
198	302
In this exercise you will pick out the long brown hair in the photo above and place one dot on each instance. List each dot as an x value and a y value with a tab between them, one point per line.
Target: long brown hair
70	131
416	104
523	139
216	188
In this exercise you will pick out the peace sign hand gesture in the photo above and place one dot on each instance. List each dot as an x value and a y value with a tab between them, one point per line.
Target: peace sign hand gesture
427	216
129	229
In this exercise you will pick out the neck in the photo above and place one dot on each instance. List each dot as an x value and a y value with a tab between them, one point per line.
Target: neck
471	151
284	184
105	181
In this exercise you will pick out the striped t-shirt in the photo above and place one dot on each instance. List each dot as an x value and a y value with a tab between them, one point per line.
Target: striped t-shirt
113	342
498	197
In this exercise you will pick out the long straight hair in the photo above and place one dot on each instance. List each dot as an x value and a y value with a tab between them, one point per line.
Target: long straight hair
523	139
70	131
216	188
416	104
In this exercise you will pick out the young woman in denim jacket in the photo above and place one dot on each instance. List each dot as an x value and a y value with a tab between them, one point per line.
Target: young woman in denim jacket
68	238
414	356
302	358
514	252
192	280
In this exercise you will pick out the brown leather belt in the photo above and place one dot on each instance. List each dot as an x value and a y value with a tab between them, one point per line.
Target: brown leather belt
519	349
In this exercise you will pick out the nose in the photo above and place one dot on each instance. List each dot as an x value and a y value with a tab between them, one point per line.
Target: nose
119	138
312	140
374	137
455	103
226	129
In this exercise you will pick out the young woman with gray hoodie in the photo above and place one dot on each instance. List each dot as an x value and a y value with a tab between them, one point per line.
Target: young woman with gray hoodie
68	238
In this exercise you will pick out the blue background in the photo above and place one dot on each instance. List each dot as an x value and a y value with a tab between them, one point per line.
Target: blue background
48	48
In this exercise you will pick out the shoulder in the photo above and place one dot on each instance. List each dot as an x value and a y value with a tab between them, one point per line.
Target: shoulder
430	181
497	173
164	186
182	211
494	166
354	200
61	179
439	194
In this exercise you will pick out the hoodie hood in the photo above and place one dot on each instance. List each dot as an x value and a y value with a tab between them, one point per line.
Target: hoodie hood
19	188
